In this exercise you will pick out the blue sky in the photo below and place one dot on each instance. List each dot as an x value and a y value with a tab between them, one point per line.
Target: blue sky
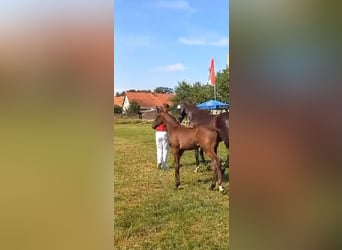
160	42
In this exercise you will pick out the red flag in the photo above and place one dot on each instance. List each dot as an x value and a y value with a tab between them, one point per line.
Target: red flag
212	72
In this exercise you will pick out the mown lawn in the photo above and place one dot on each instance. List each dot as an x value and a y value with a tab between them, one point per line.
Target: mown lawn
149	213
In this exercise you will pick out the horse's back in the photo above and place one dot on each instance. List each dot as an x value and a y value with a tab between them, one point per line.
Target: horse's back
200	118
184	137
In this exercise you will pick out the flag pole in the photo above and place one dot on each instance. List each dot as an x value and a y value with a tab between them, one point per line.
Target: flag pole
212	77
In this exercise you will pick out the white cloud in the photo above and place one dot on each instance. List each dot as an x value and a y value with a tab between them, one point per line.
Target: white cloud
174	5
171	67
223	41
191	41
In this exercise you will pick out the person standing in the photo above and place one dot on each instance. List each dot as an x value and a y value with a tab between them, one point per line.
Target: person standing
162	143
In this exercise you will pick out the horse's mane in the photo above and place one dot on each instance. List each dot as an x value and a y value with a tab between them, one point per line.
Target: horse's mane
171	116
174	118
189	104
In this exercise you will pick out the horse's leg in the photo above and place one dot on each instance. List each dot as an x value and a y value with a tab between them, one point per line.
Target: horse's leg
197	160
176	163
227	146
217	174
219	170
202	156
226	165
214	178
199	152
213	157
223	168
177	153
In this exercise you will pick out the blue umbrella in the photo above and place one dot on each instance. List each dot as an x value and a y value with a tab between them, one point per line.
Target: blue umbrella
212	104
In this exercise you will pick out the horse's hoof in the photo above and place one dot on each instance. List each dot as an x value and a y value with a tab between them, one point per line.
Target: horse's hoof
211	187
221	189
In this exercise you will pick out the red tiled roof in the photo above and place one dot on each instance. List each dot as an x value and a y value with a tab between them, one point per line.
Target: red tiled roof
118	100
146	99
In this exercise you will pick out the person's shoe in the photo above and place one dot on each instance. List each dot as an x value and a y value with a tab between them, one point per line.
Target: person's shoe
159	166
166	167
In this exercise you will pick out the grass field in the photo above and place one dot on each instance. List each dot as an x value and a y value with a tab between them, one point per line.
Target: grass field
149	213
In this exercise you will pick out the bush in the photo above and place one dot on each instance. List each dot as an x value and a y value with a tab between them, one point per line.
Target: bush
117	109
134	107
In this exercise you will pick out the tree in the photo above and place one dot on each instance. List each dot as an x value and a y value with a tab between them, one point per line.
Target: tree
202	92
134	107
194	93
139	90
123	93
222	85
164	90
117	109
183	93
197	92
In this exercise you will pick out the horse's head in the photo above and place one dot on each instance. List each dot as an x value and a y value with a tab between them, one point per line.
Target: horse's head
181	112
159	118
163	117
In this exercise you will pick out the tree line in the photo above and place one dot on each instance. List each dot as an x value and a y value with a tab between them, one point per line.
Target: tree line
198	92
191	92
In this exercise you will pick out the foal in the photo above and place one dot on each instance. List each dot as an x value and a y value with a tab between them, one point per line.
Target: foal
184	138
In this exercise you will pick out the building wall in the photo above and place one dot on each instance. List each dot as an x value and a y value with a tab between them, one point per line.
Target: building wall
125	105
149	115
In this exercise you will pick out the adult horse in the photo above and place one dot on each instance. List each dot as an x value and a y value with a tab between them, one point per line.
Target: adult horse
197	117
184	138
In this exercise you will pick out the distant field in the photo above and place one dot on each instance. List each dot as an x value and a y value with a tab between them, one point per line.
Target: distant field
149	213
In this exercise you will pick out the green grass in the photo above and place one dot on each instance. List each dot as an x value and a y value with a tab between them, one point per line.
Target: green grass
119	120
149	213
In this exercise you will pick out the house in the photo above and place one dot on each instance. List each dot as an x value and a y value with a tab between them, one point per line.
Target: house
147	101
118	100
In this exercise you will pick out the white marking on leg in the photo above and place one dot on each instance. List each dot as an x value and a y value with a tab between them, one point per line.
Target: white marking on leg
221	188
196	170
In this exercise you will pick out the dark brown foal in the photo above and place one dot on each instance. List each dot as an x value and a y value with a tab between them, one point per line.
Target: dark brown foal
184	138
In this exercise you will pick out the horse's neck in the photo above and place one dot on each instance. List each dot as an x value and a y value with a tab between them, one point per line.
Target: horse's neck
199	115
170	122
190	108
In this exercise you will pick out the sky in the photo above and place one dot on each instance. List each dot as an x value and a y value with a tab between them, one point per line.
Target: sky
158	43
